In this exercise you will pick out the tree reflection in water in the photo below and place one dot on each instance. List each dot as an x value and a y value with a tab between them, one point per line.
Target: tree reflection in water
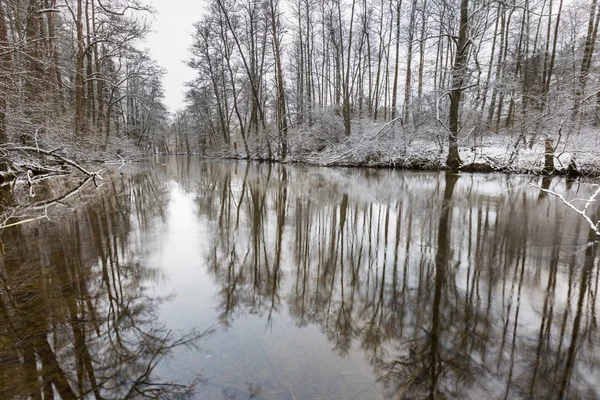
76	318
448	288
451	289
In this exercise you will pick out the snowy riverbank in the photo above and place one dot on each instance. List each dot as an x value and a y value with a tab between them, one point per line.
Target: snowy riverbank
427	150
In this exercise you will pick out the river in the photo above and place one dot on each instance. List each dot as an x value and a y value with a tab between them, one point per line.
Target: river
268	281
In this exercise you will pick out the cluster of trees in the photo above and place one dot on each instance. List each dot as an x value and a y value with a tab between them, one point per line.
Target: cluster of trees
265	66
77	65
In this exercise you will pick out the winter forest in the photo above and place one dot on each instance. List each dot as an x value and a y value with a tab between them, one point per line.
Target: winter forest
484	84
201	250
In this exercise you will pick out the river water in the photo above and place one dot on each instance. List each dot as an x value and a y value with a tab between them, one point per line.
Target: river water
269	281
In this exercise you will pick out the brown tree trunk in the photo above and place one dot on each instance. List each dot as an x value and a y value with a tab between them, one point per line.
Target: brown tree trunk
588	52
549	156
80	122
407	85
492	109
453	161
396	63
281	109
35	70
4	68
90	96
56	74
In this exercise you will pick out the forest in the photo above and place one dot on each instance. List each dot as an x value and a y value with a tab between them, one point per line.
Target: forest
76	81
416	83
446	285
400	83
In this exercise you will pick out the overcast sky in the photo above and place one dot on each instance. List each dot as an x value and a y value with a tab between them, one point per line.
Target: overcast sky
170	42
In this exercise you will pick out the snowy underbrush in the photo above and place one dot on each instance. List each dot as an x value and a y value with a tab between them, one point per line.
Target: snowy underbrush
392	145
33	154
90	147
57	134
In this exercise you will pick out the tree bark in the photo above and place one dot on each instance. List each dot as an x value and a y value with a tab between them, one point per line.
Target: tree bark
4	68
396	63
281	109
453	161
407	85
80	122
588	52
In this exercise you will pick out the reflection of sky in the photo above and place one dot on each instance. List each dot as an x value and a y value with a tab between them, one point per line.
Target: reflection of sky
182	261
252	349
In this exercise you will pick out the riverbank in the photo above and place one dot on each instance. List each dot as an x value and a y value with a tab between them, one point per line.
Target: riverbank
394	147
385	146
27	159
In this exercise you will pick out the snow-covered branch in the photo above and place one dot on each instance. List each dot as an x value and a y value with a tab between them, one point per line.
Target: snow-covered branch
581	211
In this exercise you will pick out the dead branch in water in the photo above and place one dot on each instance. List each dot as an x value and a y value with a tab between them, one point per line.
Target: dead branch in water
30	212
33	151
581	210
24	167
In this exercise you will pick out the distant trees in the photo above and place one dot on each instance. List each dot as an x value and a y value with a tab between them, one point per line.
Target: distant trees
78	65
450	66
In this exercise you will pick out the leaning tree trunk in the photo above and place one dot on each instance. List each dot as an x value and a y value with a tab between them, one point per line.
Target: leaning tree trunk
453	161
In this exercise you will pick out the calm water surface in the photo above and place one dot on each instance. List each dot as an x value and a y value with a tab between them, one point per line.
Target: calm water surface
283	282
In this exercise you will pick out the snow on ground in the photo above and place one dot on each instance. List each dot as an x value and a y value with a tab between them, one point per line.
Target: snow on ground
386	145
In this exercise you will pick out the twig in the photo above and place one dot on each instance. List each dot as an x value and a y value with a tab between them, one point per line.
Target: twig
437	110
359	146
23	221
387	125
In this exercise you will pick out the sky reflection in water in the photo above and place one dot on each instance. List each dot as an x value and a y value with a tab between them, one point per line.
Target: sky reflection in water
319	283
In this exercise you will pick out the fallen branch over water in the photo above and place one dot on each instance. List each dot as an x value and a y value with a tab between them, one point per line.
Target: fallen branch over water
24	213
23	168
21	157
581	210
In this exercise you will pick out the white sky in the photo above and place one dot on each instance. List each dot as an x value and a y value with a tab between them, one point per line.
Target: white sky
170	42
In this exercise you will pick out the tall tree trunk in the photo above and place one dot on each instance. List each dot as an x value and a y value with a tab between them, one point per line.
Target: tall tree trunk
80	122
518	70
422	44
453	161
588	52
547	47
407	85
346	110
499	62
380	53
486	86
553	54
35	73
91	98
397	62
310	92
55	72
5	60
501	78
281	109
100	82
